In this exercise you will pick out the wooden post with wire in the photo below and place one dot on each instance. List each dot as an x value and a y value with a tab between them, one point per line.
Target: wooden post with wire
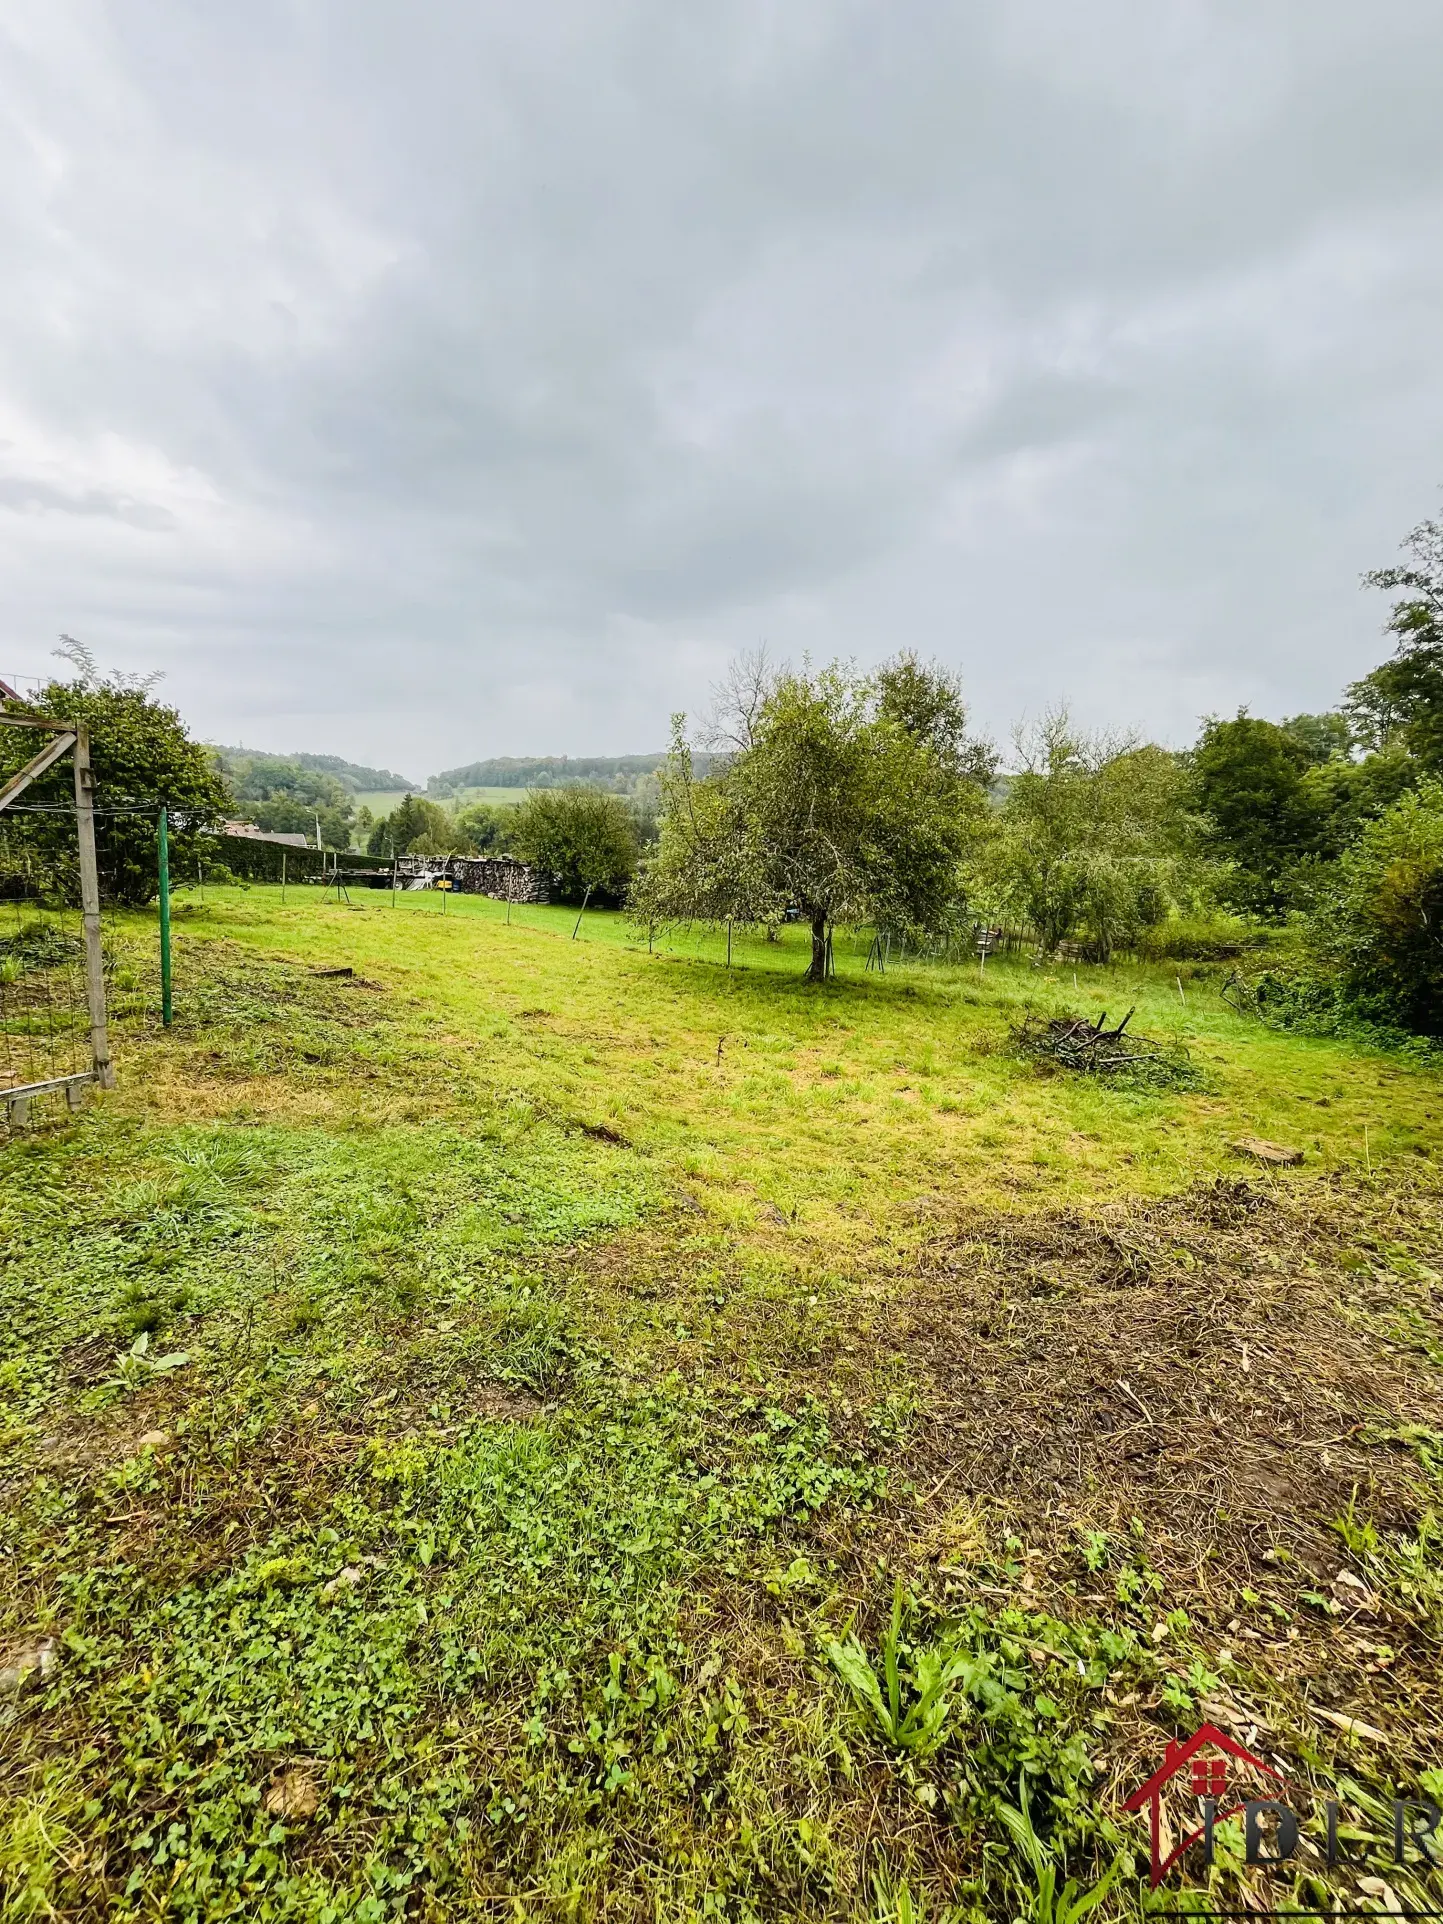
90	908
70	738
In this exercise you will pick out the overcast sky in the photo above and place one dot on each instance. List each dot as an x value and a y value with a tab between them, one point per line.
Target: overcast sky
421	382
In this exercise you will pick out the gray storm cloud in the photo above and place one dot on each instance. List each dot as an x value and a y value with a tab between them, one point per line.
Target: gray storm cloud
422	383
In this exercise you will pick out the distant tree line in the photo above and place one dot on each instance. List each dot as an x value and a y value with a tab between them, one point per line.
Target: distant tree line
358	777
842	797
291	794
620	774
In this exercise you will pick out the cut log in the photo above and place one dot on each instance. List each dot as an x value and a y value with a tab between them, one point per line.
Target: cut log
1269	1152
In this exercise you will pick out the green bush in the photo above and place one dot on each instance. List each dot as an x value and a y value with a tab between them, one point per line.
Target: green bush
585	839
1383	930
1371	964
488	826
143	760
1198	938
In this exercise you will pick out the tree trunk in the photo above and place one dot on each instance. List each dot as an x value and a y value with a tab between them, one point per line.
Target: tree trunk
818	970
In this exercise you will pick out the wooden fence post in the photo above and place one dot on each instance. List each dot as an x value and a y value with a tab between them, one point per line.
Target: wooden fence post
90	908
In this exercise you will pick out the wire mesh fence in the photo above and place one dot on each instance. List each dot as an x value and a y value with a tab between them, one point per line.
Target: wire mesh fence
50	1047
44	1018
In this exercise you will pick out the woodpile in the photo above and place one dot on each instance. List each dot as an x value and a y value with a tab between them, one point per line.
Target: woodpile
501	877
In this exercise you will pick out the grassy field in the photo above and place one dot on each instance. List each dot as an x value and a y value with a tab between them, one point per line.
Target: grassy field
384	801
500	797
380	801
482	1434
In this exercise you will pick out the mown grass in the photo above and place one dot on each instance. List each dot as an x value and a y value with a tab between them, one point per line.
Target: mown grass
857	1101
455	1416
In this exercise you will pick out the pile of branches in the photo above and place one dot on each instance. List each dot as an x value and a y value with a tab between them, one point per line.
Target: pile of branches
1119	1055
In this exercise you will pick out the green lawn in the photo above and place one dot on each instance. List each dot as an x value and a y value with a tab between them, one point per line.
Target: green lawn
465	1423
851	1104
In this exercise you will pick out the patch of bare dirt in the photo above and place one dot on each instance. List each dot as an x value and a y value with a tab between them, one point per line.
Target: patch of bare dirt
1214	1381
1234	1360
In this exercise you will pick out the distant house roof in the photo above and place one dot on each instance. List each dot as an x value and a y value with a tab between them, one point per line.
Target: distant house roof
254	834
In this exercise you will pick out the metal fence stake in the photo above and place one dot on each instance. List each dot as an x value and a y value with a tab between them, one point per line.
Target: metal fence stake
162	841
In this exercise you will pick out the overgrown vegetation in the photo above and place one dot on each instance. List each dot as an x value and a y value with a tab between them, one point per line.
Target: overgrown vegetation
1384	926
1094	841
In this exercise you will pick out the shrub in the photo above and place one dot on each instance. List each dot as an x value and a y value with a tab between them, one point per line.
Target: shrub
582	837
489	826
1383	931
1198	938
1093	840
143	759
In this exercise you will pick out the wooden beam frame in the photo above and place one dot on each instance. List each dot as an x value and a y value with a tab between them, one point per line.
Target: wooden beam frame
71	737
90	908
37	721
57	746
16	1097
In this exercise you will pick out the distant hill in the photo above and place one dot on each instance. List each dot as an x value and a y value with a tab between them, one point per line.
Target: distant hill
353	776
356	776
619	772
